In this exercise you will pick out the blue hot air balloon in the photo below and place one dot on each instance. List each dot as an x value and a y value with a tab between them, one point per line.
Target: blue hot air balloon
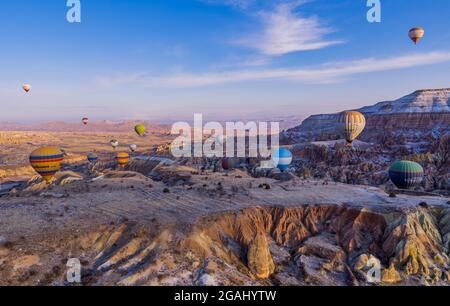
282	158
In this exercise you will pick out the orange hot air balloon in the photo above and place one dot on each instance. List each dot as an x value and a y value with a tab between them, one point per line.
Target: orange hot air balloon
26	87
122	158
416	34
46	162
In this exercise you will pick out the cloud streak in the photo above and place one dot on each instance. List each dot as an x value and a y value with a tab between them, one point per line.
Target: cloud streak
326	73
284	31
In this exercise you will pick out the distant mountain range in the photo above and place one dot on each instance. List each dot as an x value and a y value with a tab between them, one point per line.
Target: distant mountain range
423	110
94	126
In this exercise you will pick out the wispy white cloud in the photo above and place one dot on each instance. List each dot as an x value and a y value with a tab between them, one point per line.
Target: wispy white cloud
326	73
285	31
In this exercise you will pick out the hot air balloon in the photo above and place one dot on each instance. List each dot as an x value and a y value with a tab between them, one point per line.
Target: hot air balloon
406	174
85	121
282	158
227	163
351	124
416	34
92	157
133	147
26	87
46	162
122	158
140	129
114	143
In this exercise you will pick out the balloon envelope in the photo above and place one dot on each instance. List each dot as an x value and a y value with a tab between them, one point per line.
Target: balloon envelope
92	157
133	147
85	121
416	34
140	129
227	163
282	158
26	87
114	143
406	174
46	162
122	158
351	124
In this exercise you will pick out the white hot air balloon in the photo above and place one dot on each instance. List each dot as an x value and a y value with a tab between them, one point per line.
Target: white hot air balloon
26	87
133	147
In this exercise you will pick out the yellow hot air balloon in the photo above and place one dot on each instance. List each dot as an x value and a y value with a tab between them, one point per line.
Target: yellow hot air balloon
122	158
26	87
416	34
351	124
46	162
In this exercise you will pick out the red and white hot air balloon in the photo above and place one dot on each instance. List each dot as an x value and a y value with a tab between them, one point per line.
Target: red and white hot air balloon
26	87
85	120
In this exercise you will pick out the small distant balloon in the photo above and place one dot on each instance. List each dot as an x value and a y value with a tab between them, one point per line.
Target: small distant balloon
133	148
26	87
227	163
85	120
92	157
351	124
283	157
406	174
114	143
416	34
140	129
46	161
122	158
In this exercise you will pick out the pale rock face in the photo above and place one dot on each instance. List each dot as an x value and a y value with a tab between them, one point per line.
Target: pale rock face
260	260
424	109
421	101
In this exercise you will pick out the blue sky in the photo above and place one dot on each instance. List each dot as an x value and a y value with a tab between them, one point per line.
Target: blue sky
227	59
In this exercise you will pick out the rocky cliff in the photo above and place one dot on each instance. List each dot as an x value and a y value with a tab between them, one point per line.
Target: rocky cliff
216	229
424	110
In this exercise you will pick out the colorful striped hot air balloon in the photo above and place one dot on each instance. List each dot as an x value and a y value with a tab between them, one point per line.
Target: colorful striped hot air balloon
140	129
282	158
351	124
406	174
26	87
122	158
227	163
416	34
46	162
92	157
85	120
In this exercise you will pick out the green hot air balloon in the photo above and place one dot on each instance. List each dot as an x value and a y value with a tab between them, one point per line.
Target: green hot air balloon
406	174
140	129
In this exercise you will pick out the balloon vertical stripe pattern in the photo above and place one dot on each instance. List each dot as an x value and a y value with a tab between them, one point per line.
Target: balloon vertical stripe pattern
352	125
46	162
406	174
